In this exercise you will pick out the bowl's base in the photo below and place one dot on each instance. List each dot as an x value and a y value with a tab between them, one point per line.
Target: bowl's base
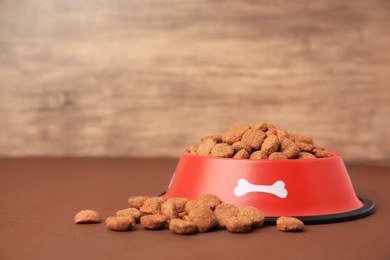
364	211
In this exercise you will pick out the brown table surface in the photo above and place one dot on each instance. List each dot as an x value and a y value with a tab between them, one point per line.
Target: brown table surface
39	197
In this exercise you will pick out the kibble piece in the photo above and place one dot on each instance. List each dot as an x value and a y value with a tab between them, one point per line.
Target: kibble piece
270	131
321	153
237	146
270	144
254	214
120	223
182	227
203	218
238	224
169	211
281	133
305	155
222	150
210	200
180	203
289	224
205	147
304	147
192	204
87	216
259	155
242	154
153	221
234	134
289	148
133	212
216	138
230	138
152	206
278	156
224	211
193	149
303	138
260	126
137	201
254	138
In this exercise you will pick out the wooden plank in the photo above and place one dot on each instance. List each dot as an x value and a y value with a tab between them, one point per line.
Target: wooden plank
148	78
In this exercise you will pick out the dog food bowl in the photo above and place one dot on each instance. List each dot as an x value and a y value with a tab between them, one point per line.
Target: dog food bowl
314	190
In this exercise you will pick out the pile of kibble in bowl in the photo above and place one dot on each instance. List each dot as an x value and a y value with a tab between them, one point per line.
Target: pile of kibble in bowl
261	141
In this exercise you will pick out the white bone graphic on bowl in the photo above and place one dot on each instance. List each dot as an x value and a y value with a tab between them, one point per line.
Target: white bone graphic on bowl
244	187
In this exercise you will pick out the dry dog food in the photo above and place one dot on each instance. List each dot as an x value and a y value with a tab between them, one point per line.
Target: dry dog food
152	206
183	216
260	141
137	201
203	218
182	226
153	221
169	210
132	212
120	223
180	203
238	224
225	211
210	200
87	216
289	224
253	214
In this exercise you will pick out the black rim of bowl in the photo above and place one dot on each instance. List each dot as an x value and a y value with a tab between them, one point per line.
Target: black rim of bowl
364	211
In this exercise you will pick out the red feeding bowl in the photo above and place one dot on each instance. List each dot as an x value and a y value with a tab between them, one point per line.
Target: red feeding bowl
314	190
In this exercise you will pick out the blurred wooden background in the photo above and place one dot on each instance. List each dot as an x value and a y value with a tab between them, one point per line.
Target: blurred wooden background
148	78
